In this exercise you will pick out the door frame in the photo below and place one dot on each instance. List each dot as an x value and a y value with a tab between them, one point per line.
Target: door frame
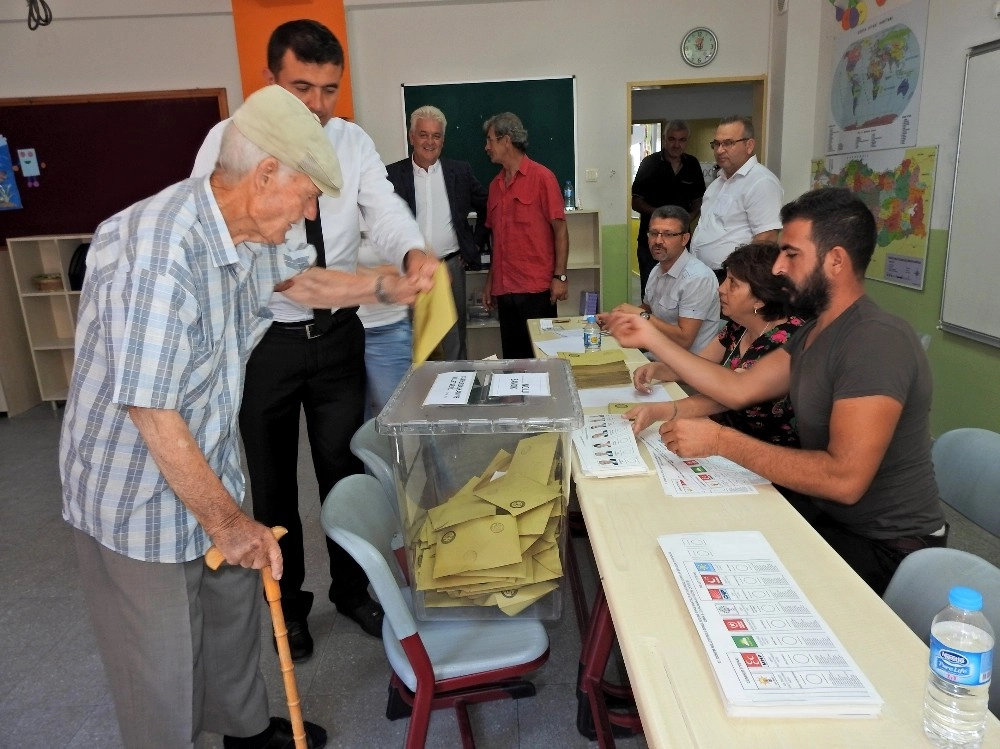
758	85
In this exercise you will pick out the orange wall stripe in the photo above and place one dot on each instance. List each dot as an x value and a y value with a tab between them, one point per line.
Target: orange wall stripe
254	20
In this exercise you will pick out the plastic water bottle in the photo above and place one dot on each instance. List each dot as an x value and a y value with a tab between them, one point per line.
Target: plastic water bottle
568	196
591	334
961	663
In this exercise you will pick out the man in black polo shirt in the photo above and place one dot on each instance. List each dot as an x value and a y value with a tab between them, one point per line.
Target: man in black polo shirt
667	177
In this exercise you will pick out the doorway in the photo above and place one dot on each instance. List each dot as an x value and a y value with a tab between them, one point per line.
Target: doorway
702	103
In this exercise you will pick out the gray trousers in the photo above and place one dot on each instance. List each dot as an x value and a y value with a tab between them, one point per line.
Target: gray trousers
180	645
453	343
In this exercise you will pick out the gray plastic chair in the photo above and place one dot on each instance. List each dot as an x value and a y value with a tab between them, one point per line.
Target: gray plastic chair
375	451
919	590
967	467
435	664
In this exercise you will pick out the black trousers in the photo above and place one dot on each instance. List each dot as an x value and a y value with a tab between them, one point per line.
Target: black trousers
324	377
874	560
514	311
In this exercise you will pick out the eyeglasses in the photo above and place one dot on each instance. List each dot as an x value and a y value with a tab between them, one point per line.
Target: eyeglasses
664	234
727	144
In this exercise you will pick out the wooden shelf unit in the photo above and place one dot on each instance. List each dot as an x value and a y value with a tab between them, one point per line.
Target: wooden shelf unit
49	316
583	271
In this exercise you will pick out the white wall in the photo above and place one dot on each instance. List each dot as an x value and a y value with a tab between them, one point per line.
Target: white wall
97	46
605	44
951	29
949	35
105	46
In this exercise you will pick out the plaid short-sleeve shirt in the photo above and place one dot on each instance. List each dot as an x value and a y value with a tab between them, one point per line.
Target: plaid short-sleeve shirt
169	313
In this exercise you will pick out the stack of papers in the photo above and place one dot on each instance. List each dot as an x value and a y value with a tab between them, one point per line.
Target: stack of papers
698	477
772	653
598	368
495	542
606	447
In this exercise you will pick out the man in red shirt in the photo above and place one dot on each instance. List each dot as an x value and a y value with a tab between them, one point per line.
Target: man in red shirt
530	241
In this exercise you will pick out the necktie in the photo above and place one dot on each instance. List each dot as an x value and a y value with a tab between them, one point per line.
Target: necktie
322	317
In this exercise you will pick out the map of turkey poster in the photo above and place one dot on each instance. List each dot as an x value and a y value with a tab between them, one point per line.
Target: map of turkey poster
897	185
875	89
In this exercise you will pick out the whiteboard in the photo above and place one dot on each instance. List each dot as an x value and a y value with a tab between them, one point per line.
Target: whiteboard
970	305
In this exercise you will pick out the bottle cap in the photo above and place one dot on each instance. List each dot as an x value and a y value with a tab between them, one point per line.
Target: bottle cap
966	598
591	318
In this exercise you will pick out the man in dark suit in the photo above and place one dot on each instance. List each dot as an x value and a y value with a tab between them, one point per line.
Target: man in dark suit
441	193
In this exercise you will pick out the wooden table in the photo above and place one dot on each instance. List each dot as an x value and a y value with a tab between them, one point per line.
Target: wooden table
671	678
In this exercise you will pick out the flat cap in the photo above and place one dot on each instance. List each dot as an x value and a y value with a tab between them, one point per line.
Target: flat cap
278	123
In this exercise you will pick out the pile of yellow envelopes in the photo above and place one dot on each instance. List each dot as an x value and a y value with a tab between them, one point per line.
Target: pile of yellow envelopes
597	369
495	542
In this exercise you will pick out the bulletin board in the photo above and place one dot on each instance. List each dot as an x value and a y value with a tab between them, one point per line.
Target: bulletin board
98	154
546	107
970	305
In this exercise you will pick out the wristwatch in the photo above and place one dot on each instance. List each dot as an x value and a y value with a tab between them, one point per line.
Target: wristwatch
644	315
559	277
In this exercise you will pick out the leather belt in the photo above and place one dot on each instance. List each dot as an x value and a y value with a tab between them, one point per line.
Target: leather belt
448	257
307	328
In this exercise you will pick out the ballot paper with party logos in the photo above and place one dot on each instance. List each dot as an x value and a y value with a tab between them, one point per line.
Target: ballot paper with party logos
495	541
698	477
772	653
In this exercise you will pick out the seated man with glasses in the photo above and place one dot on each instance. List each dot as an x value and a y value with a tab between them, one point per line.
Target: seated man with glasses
682	293
743	203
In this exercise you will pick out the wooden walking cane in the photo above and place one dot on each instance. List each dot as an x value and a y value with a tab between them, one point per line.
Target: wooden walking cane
272	591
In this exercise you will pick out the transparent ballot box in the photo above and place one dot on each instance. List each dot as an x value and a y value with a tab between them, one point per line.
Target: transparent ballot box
482	469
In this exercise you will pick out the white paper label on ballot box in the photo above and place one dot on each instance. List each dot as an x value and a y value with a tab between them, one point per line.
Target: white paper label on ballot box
520	383
450	389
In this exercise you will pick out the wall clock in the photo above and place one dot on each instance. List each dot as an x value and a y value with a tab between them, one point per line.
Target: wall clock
699	46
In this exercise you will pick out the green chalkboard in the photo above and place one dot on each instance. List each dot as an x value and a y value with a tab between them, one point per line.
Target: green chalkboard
546	106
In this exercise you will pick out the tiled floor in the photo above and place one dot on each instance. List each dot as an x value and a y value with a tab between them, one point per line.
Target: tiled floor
52	688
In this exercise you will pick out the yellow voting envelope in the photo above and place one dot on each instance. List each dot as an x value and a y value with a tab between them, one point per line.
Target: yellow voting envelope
534	457
516	493
481	543
434	314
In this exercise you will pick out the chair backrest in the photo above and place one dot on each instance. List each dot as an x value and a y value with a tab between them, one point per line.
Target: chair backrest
357	515
967	467
919	590
375	451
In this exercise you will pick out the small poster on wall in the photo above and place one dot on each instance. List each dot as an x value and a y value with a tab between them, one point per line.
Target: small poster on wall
10	198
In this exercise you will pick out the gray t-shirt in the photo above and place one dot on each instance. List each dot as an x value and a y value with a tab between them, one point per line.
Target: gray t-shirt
866	351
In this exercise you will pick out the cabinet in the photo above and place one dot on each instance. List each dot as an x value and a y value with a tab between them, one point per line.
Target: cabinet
50	312
583	270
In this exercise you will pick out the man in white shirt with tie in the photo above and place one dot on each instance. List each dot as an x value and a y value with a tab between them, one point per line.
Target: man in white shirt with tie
441	193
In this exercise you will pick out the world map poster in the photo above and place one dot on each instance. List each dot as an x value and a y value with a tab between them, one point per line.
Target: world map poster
897	185
875	86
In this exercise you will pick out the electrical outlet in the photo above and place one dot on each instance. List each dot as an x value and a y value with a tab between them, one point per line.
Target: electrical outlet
592	175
